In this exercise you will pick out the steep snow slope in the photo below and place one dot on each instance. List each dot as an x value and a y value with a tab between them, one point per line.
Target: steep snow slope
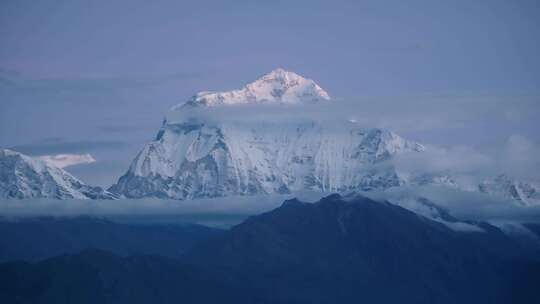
22	176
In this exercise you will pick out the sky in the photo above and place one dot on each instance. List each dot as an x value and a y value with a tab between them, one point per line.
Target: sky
98	77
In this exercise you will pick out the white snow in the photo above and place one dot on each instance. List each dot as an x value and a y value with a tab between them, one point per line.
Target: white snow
278	86
27	177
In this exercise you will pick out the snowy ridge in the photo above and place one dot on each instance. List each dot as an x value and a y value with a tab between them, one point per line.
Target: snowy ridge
22	176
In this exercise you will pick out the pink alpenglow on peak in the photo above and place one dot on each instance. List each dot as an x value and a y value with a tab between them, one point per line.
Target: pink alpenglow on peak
278	86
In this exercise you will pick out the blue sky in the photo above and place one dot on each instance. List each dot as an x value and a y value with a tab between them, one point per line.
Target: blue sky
98	76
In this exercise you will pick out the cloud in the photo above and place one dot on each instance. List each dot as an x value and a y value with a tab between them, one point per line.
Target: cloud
411	115
521	157
457	159
65	160
224	211
464	205
122	128
518	158
368	113
56	145
227	211
17	82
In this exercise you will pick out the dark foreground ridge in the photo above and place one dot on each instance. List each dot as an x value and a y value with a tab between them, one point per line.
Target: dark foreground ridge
35	239
332	251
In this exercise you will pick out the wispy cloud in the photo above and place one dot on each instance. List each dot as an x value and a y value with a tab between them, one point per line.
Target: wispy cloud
518	158
14	81
66	160
464	205
62	146
215	212
400	114
228	211
521	157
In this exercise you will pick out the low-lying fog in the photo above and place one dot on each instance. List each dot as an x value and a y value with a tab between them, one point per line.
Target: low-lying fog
229	211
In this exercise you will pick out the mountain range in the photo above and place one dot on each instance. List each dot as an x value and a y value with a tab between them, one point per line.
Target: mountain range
200	154
337	250
35	239
195	156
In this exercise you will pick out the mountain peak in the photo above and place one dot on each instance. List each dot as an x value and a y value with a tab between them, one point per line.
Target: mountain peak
281	74
278	86
28	177
15	156
280	71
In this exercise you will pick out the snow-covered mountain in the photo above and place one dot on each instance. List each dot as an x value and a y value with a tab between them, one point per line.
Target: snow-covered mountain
196	155
193	157
527	193
22	176
524	192
278	86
